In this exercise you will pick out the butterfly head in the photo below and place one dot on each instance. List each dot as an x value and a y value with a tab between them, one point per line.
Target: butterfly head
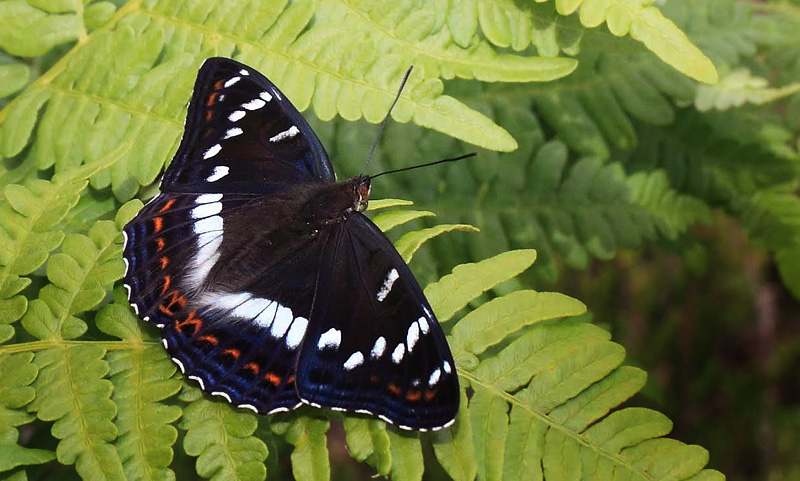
362	186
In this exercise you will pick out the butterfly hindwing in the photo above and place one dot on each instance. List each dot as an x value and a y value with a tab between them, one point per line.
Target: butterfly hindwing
243	135
374	344
233	304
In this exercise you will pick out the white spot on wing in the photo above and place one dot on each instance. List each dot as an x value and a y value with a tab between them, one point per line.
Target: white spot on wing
265	95
398	353
206	210
391	277
135	308
447	368
248	406
179	363
282	320
208	224
232	81
199	381
165	344
381	416
254	104
355	359
212	151
296	332
423	325
207	198
244	72
221	394
219	172
435	375
126	286
290	132
207	252
237	115
330	339
125	237
413	335
233	132
378	348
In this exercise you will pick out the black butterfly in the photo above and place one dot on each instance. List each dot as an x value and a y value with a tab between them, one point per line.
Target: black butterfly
270	287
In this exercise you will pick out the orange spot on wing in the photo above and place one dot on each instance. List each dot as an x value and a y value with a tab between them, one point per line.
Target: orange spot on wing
159	243
273	378
164	262
393	388
209	115
290	379
209	339
213	97
251	366
413	395
430	394
218	84
191	320
158	223
166	206
173	303
234	353
166	285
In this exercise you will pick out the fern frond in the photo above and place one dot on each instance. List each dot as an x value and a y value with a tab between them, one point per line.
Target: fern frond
222	440
28	215
368	440
17	372
560	381
71	390
738	88
410	242
142	376
28	31
672	212
467	281
419	29
310	454
139	96
79	276
406	455
507	23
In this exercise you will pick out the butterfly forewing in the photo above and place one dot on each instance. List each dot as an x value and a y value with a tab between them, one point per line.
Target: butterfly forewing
243	135
269	288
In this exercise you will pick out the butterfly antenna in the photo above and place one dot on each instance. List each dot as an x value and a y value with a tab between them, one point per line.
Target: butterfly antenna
386	119
453	159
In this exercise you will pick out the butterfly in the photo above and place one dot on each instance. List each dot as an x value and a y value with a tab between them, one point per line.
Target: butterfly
270	286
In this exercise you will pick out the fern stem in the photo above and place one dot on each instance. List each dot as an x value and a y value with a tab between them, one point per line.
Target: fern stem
35	346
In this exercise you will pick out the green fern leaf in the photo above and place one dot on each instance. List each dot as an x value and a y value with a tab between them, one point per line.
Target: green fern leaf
497	319
142	376
387	221
454	447
468	281
27	238
310	454
79	275
17	372
561	380
71	390
222	439
410	242
738	88
368	440
13	77
406	456
407	26
28	31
